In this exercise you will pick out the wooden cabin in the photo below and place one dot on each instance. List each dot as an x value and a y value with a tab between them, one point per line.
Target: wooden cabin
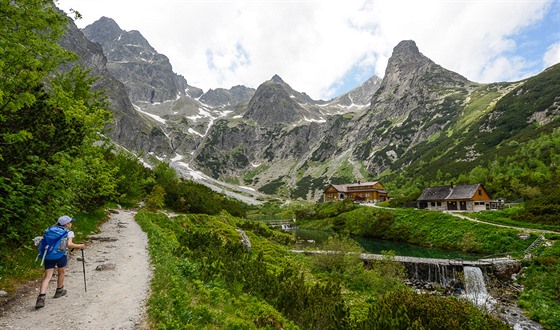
466	197
366	192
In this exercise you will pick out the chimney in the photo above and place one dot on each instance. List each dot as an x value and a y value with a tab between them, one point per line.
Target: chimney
451	185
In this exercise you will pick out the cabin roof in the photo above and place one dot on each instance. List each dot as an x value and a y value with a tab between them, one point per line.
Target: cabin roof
344	187
464	191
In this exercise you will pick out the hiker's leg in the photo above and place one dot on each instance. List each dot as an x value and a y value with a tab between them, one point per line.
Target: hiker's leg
46	279
61	264
60	278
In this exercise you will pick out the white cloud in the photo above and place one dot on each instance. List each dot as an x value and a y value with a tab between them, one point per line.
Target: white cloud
552	55
312	45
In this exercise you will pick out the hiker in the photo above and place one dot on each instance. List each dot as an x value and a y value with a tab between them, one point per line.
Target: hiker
64	224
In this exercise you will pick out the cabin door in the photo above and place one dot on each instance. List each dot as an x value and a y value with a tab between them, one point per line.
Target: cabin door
452	206
463	205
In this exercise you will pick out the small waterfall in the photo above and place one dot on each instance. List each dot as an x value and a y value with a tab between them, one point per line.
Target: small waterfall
244	239
475	288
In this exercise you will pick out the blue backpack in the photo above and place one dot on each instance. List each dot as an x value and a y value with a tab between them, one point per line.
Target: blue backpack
53	244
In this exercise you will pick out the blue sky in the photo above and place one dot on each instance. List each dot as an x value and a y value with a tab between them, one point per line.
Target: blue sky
326	47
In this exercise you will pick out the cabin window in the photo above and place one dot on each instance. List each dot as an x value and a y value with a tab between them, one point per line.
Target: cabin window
479	192
433	203
438	203
331	195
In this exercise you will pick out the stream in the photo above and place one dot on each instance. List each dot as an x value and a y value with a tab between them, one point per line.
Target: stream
475	290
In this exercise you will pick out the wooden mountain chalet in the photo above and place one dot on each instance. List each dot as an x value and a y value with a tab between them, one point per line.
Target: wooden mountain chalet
466	197
368	192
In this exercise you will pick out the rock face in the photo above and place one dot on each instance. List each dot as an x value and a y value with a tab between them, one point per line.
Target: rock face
362	94
221	97
410	80
275	102
129	128
148	75
416	99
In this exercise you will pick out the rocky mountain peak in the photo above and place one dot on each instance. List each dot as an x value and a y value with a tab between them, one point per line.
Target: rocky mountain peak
220	97
406	47
106	28
409	77
276	79
273	104
406	59
361	95
131	58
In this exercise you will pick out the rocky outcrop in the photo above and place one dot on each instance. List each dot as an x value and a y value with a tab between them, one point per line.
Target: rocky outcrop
148	75
129	129
362	94
275	102
221	97
411	81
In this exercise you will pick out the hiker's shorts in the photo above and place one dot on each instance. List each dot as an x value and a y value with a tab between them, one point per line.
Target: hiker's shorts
60	263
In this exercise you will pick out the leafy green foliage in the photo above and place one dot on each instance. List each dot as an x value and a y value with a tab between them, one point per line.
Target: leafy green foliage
188	196
49	122
541	294
343	262
544	209
133	179
272	187
306	184
156	199
403	309
28	54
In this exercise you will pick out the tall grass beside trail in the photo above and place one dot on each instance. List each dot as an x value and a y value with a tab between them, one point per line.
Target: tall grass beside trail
205	278
510	217
181	300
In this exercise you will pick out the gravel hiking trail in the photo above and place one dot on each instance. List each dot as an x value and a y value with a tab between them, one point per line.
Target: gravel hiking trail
118	274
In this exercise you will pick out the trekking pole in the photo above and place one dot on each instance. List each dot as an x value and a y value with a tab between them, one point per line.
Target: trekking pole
84	267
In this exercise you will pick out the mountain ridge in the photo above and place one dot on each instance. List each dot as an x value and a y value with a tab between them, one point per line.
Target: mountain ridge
280	141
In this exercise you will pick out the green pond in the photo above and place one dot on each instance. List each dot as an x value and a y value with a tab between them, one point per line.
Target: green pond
314	239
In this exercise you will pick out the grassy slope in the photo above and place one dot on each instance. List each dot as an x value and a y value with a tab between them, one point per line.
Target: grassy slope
426	228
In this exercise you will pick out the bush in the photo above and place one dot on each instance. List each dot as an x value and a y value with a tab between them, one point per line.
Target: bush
403	309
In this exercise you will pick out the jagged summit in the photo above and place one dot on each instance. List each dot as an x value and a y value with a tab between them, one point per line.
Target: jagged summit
407	47
131	58
221	96
407	60
408	80
276	78
272	104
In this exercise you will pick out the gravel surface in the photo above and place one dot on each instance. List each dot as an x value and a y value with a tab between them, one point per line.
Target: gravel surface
117	276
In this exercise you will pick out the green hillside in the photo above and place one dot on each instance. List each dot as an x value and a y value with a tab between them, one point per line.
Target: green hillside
483	144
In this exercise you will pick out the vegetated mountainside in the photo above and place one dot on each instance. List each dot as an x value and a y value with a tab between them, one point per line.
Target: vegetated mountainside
489	128
419	119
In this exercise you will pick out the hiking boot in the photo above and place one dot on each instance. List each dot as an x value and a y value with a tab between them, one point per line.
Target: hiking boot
59	293
40	302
